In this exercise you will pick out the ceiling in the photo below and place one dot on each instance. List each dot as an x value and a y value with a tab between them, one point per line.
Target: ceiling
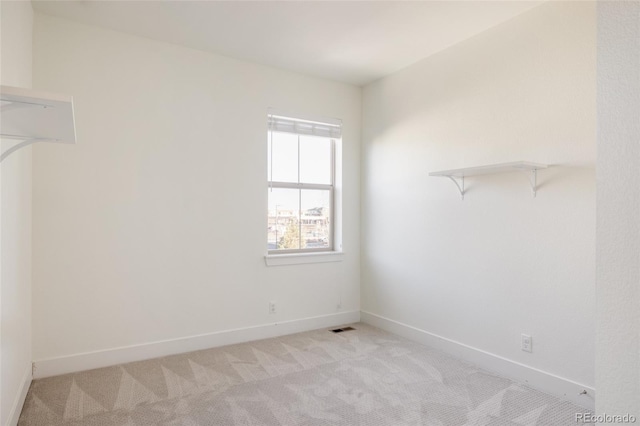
354	42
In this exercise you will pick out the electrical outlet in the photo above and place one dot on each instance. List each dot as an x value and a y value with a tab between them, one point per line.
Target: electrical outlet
526	343
272	307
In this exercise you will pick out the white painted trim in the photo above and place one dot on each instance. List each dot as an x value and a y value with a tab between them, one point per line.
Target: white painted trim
108	357
303	258
18	403
541	380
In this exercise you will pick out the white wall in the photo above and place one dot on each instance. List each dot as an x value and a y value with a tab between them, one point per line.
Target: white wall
152	227
618	218
15	270
482	271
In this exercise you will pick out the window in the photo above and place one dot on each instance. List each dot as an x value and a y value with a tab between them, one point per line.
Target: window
301	190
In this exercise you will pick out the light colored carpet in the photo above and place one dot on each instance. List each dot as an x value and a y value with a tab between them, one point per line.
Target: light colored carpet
363	377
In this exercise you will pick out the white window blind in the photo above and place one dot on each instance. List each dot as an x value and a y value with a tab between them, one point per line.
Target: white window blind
278	123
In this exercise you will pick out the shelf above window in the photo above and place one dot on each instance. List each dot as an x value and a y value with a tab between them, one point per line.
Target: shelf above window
457	176
30	116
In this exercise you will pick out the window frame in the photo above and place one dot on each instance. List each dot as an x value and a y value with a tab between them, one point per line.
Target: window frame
301	186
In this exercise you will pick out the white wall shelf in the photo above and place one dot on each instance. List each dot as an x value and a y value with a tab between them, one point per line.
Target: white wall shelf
457	176
31	116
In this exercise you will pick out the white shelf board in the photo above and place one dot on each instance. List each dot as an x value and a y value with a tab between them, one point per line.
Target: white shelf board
490	169
30	115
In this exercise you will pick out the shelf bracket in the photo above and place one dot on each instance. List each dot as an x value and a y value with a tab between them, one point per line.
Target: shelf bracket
460	188
21	145
533	181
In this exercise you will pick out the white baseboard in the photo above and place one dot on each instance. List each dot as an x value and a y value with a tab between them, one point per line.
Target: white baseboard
18	403
108	357
537	379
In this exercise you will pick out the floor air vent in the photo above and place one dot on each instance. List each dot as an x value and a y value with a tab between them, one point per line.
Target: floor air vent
340	330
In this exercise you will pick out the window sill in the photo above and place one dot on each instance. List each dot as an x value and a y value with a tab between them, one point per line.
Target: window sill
303	258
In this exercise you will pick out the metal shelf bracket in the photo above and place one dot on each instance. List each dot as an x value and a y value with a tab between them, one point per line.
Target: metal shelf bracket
460	187
22	145
533	180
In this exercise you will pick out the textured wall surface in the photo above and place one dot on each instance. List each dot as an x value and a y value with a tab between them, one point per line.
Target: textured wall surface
153	226
15	231
500	263
618	218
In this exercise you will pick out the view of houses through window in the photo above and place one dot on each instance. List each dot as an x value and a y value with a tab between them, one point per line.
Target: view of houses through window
299	219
